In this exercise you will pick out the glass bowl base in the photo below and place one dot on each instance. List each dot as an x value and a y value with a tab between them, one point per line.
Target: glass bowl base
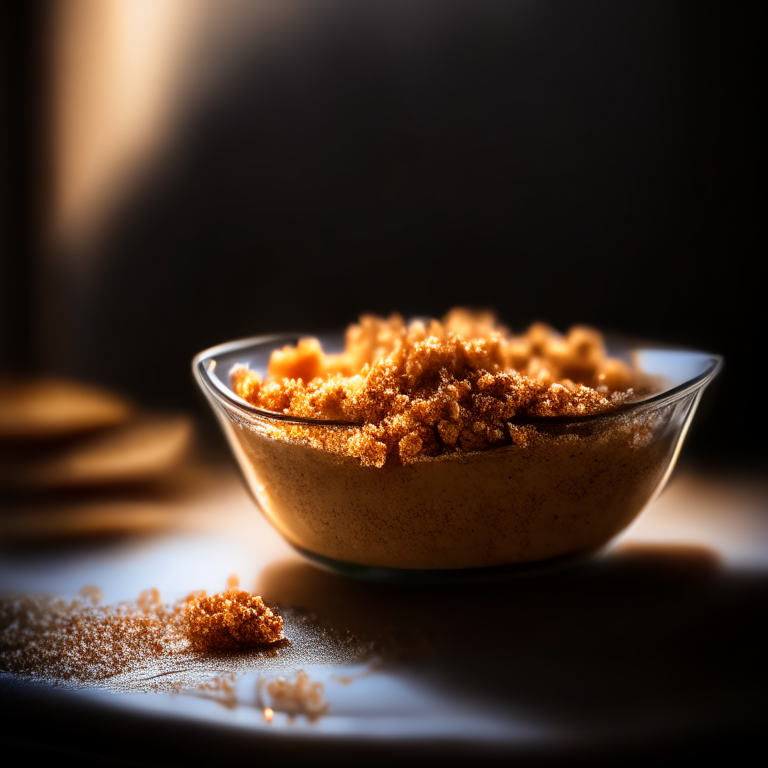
494	573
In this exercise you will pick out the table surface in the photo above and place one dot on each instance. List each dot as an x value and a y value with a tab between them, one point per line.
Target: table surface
657	645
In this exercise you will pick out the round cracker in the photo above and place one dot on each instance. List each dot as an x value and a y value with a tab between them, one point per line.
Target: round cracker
44	409
140	451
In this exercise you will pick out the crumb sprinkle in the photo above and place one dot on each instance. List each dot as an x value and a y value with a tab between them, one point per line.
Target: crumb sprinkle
46	637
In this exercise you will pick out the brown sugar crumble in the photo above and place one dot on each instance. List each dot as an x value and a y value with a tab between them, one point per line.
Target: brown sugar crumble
427	388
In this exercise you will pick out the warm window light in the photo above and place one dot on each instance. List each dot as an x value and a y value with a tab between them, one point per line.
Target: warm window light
122	70
117	64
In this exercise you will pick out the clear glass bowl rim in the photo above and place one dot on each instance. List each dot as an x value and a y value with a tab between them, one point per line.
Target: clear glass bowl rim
225	396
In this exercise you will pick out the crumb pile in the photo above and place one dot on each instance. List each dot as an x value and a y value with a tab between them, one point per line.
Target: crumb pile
78	640
428	388
298	696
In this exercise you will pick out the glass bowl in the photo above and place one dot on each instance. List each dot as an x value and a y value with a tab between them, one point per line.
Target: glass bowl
559	496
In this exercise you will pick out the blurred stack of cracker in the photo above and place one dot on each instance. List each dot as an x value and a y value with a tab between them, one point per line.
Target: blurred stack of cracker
77	461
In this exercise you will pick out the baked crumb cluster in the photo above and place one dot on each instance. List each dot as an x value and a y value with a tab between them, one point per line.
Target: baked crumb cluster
428	388
79	640
231	620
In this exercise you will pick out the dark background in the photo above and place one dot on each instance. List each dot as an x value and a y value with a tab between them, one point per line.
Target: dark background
596	163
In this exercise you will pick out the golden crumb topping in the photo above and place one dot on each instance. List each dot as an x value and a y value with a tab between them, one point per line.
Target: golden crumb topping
432	387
